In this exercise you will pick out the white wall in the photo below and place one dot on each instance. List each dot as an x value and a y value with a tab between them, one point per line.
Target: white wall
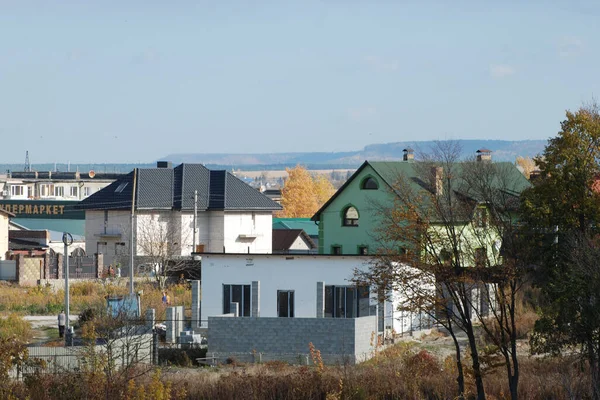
277	272
258	228
117	226
3	235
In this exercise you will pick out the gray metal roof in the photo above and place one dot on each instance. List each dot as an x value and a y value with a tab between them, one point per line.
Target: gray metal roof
173	188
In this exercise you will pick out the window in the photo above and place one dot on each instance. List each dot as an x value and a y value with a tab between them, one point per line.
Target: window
120	249
363	250
237	294
369	184
336	249
87	191
46	190
347	302
351	216
445	256
122	186
59	191
285	303
17	190
481	217
74	191
480	257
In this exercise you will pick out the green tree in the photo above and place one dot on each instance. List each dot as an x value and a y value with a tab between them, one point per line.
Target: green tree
563	212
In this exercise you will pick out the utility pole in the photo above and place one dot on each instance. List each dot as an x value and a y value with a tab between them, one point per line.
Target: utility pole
195	220
67	240
131	244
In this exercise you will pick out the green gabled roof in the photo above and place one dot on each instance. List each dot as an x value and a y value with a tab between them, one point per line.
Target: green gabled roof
390	171
305	224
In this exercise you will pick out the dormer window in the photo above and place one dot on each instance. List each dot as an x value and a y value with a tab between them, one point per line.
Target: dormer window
369	184
351	216
120	188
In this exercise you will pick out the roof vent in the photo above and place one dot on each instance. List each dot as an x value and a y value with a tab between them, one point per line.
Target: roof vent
164	164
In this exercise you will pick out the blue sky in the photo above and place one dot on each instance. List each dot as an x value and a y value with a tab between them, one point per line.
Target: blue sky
134	81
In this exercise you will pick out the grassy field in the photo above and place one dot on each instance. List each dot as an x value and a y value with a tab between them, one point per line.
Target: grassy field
43	300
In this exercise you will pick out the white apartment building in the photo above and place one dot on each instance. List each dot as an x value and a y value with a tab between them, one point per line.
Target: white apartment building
49	185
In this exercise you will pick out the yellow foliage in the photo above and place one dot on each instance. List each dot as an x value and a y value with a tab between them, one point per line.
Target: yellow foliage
526	164
323	189
302	195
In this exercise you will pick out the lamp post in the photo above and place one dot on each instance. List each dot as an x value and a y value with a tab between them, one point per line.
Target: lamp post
67	240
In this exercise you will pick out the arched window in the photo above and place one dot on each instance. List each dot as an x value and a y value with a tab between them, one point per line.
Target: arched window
351	216
369	184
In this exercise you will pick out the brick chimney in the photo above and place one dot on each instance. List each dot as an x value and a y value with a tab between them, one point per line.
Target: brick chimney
436	180
409	154
484	155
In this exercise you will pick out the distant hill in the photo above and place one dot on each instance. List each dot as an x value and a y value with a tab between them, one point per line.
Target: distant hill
503	150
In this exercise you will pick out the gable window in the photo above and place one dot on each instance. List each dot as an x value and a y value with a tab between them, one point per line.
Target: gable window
237	294
285	303
347	301
369	184
351	216
336	249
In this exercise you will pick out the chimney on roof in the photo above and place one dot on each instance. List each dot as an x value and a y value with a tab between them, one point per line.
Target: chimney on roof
164	164
409	154
436	180
484	155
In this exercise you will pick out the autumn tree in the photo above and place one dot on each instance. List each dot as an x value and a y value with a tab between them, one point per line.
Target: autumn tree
442	241
526	164
302	195
563	211
323	189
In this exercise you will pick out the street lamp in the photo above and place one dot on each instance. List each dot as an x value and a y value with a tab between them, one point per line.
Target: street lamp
67	240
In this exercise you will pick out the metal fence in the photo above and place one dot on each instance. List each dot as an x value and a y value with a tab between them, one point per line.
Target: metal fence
8	270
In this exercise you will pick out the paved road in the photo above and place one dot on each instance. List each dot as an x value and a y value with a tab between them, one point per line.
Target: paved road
40	321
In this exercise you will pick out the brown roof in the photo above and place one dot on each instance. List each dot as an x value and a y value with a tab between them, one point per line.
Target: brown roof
284	238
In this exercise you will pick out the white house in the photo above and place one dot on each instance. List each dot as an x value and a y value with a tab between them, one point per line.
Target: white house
295	286
230	215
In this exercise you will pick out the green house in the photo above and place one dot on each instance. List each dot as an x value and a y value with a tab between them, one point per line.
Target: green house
347	221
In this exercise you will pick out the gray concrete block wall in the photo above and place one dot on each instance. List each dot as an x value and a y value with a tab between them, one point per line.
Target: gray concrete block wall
196	291
338	339
255	292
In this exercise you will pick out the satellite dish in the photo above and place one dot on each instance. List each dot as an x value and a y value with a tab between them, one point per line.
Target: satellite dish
91	173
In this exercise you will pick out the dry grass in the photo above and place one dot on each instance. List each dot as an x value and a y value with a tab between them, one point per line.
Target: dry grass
400	372
14	325
42	300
